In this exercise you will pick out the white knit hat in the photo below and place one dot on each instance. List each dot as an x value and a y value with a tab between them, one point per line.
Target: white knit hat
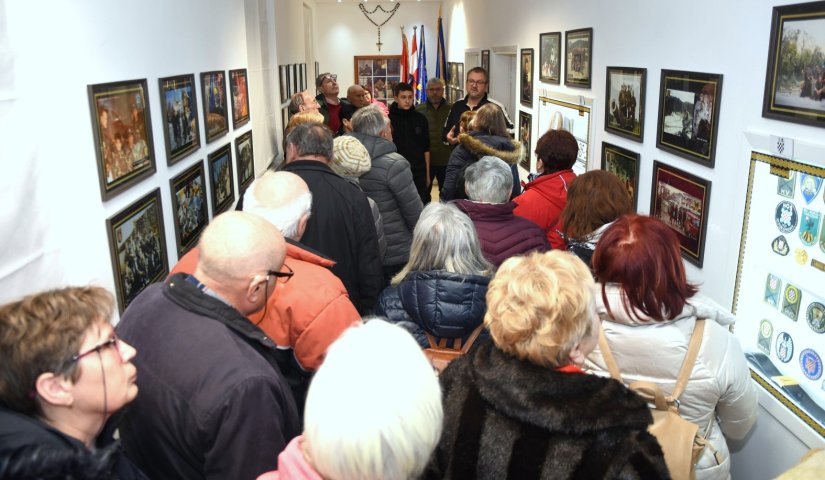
350	157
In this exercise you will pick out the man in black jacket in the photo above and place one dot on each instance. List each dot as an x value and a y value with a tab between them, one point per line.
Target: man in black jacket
477	80
410	133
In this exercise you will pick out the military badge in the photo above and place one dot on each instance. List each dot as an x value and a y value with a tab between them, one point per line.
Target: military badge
790	302
786	186
765	336
780	245
809	226
809	185
786	216
801	256
815	315
784	347
822	238
772	288
811	364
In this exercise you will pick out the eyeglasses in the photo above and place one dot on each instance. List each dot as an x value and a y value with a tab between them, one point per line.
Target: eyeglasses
282	276
331	77
112	342
476	82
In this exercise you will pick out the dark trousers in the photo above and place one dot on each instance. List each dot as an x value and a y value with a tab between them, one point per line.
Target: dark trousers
438	172
420	180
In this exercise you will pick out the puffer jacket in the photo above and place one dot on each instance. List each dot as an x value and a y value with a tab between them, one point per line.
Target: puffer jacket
543	201
471	148
719	385
445	304
390	183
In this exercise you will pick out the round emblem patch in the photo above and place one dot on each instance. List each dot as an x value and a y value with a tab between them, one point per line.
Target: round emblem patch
786	216
765	328
811	364
784	347
815	315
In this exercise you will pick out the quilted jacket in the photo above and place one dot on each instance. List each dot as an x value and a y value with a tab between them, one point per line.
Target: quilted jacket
471	148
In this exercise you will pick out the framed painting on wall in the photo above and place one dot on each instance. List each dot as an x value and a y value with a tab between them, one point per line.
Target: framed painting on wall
625	164
378	74
525	129
283	81
578	52
189	210
220	179
179	107
215	112
550	57
485	63
527	77
625	106
245	160
238	81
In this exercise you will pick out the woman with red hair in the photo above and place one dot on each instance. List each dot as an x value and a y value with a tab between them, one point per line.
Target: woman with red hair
649	310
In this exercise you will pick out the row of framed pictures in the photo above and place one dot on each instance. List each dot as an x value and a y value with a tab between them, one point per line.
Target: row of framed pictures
292	79
122	125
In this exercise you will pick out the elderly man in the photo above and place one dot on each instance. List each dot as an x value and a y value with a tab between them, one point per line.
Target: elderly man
357	96
341	224
436	110
303	102
477	80
327	85
210	386
488	183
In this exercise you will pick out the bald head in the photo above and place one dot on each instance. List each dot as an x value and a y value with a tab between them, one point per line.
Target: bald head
283	199
357	96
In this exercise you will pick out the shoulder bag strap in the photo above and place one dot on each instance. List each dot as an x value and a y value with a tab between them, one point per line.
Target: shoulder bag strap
690	359
607	354
472	338
442	343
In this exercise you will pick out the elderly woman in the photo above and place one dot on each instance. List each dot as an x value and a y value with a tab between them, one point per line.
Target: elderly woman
649	311
520	406
441	289
373	411
63	373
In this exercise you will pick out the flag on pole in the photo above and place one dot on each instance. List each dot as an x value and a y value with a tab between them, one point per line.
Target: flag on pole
413	79
405	56
421	89
441	54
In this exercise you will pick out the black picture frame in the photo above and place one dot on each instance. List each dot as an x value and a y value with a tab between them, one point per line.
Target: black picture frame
215	113
221	179
239	84
687	134
578	55
525	135
141	259
526	84
625	165
120	116
245	160
296	82
190	210
550	56
179	110
624	108
485	63
283	83
304	79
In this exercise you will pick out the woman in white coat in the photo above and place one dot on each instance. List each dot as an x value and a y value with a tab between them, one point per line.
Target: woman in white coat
649	310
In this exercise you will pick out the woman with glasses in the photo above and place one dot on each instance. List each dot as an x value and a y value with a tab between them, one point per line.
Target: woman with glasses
63	373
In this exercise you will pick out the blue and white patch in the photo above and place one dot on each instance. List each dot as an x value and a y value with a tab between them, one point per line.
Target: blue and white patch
811	364
784	347
809	185
786	216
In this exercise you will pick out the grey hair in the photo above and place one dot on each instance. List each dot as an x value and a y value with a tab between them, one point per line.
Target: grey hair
488	180
296	102
445	239
436	80
311	139
286	218
369	120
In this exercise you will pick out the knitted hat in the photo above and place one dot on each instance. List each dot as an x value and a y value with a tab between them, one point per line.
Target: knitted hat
350	157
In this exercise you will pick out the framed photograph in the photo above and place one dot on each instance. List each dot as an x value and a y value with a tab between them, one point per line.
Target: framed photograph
220	179
625	164
179	107
625	106
681	201
689	115
573	113
245	160
238	82
795	80
123	135
295	80
214	104
138	248
525	128
378	74
317	72
550	57
283	81
304	80
527	77
578	51
189	211
485	62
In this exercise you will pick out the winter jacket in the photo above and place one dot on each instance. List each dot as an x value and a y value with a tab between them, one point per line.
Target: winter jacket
471	148
411	135
506	418
376	219
501	233
436	117
543	201
292	465
389	182
719	385
449	305
586	246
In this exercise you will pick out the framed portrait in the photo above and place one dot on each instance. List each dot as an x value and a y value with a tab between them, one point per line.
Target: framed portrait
239	83
304	79
189	211
485	62
550	57
680	200
214	104
179	107
245	160
578	52
378	74
795	80
689	115
284	120
123	135
138	248
283	81
220	179
295	80
625	106
525	129
625	164
317	71
527	77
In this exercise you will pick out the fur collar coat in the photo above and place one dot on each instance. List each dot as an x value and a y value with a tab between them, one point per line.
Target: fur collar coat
471	147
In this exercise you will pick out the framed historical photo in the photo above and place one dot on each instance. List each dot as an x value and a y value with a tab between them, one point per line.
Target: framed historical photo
189	211
378	74
283	82
295	80
215	112
138	247
525	129
245	160
485	63
795	80
527	77
123	135
624	113
689	115
317	72
179	110
304	80
550	57
578	53
625	164
220	179
680	200
239	84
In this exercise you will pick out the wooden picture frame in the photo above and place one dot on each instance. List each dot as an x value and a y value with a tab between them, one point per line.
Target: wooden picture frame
689	115
221	184
550	57
795	92
179	110
190	212
625	165
525	134
680	200
379	74
215	119
578	54
245	160
122	135
239	83
624	109
526	84
137	247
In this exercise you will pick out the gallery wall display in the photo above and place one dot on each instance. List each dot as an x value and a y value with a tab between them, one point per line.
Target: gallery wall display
137	247
795	80
215	115
304	79
123	135
578	52
296	82
245	160
625	105
689	115
378	74
550	57
455	87
239	85
220	179
625	164
527	77
283	81
525	128
179	110
189	209
680	200
564	112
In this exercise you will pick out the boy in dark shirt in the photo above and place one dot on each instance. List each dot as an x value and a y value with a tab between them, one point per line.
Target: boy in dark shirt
411	136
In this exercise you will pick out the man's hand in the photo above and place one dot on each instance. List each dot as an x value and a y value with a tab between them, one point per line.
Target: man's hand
451	138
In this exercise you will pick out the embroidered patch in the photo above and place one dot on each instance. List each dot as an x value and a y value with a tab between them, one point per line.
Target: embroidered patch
786	186
786	216
809	226
790	302
780	245
809	185
811	364
772	288
822	238
765	336
815	316
784	347
801	256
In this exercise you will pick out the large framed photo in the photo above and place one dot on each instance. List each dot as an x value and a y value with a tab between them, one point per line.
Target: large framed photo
525	128
689	115
578	52
179	107
680	200
795	80
214	104
189	209
138	248
378	74
220	179
245	159
527	76
625	164
123	135
625	106
550	57
239	84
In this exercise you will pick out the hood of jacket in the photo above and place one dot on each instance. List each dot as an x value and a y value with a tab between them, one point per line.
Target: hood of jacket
480	145
376	146
488	212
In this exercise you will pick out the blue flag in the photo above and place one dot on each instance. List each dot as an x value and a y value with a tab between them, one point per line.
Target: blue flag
440	54
421	92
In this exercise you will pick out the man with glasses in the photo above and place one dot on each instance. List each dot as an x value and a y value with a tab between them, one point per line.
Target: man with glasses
436	109
477	80
327	85
213	402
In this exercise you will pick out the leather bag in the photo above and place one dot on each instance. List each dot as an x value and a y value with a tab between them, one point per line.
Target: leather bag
440	355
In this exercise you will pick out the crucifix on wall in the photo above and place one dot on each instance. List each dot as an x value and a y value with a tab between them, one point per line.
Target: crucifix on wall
379	25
